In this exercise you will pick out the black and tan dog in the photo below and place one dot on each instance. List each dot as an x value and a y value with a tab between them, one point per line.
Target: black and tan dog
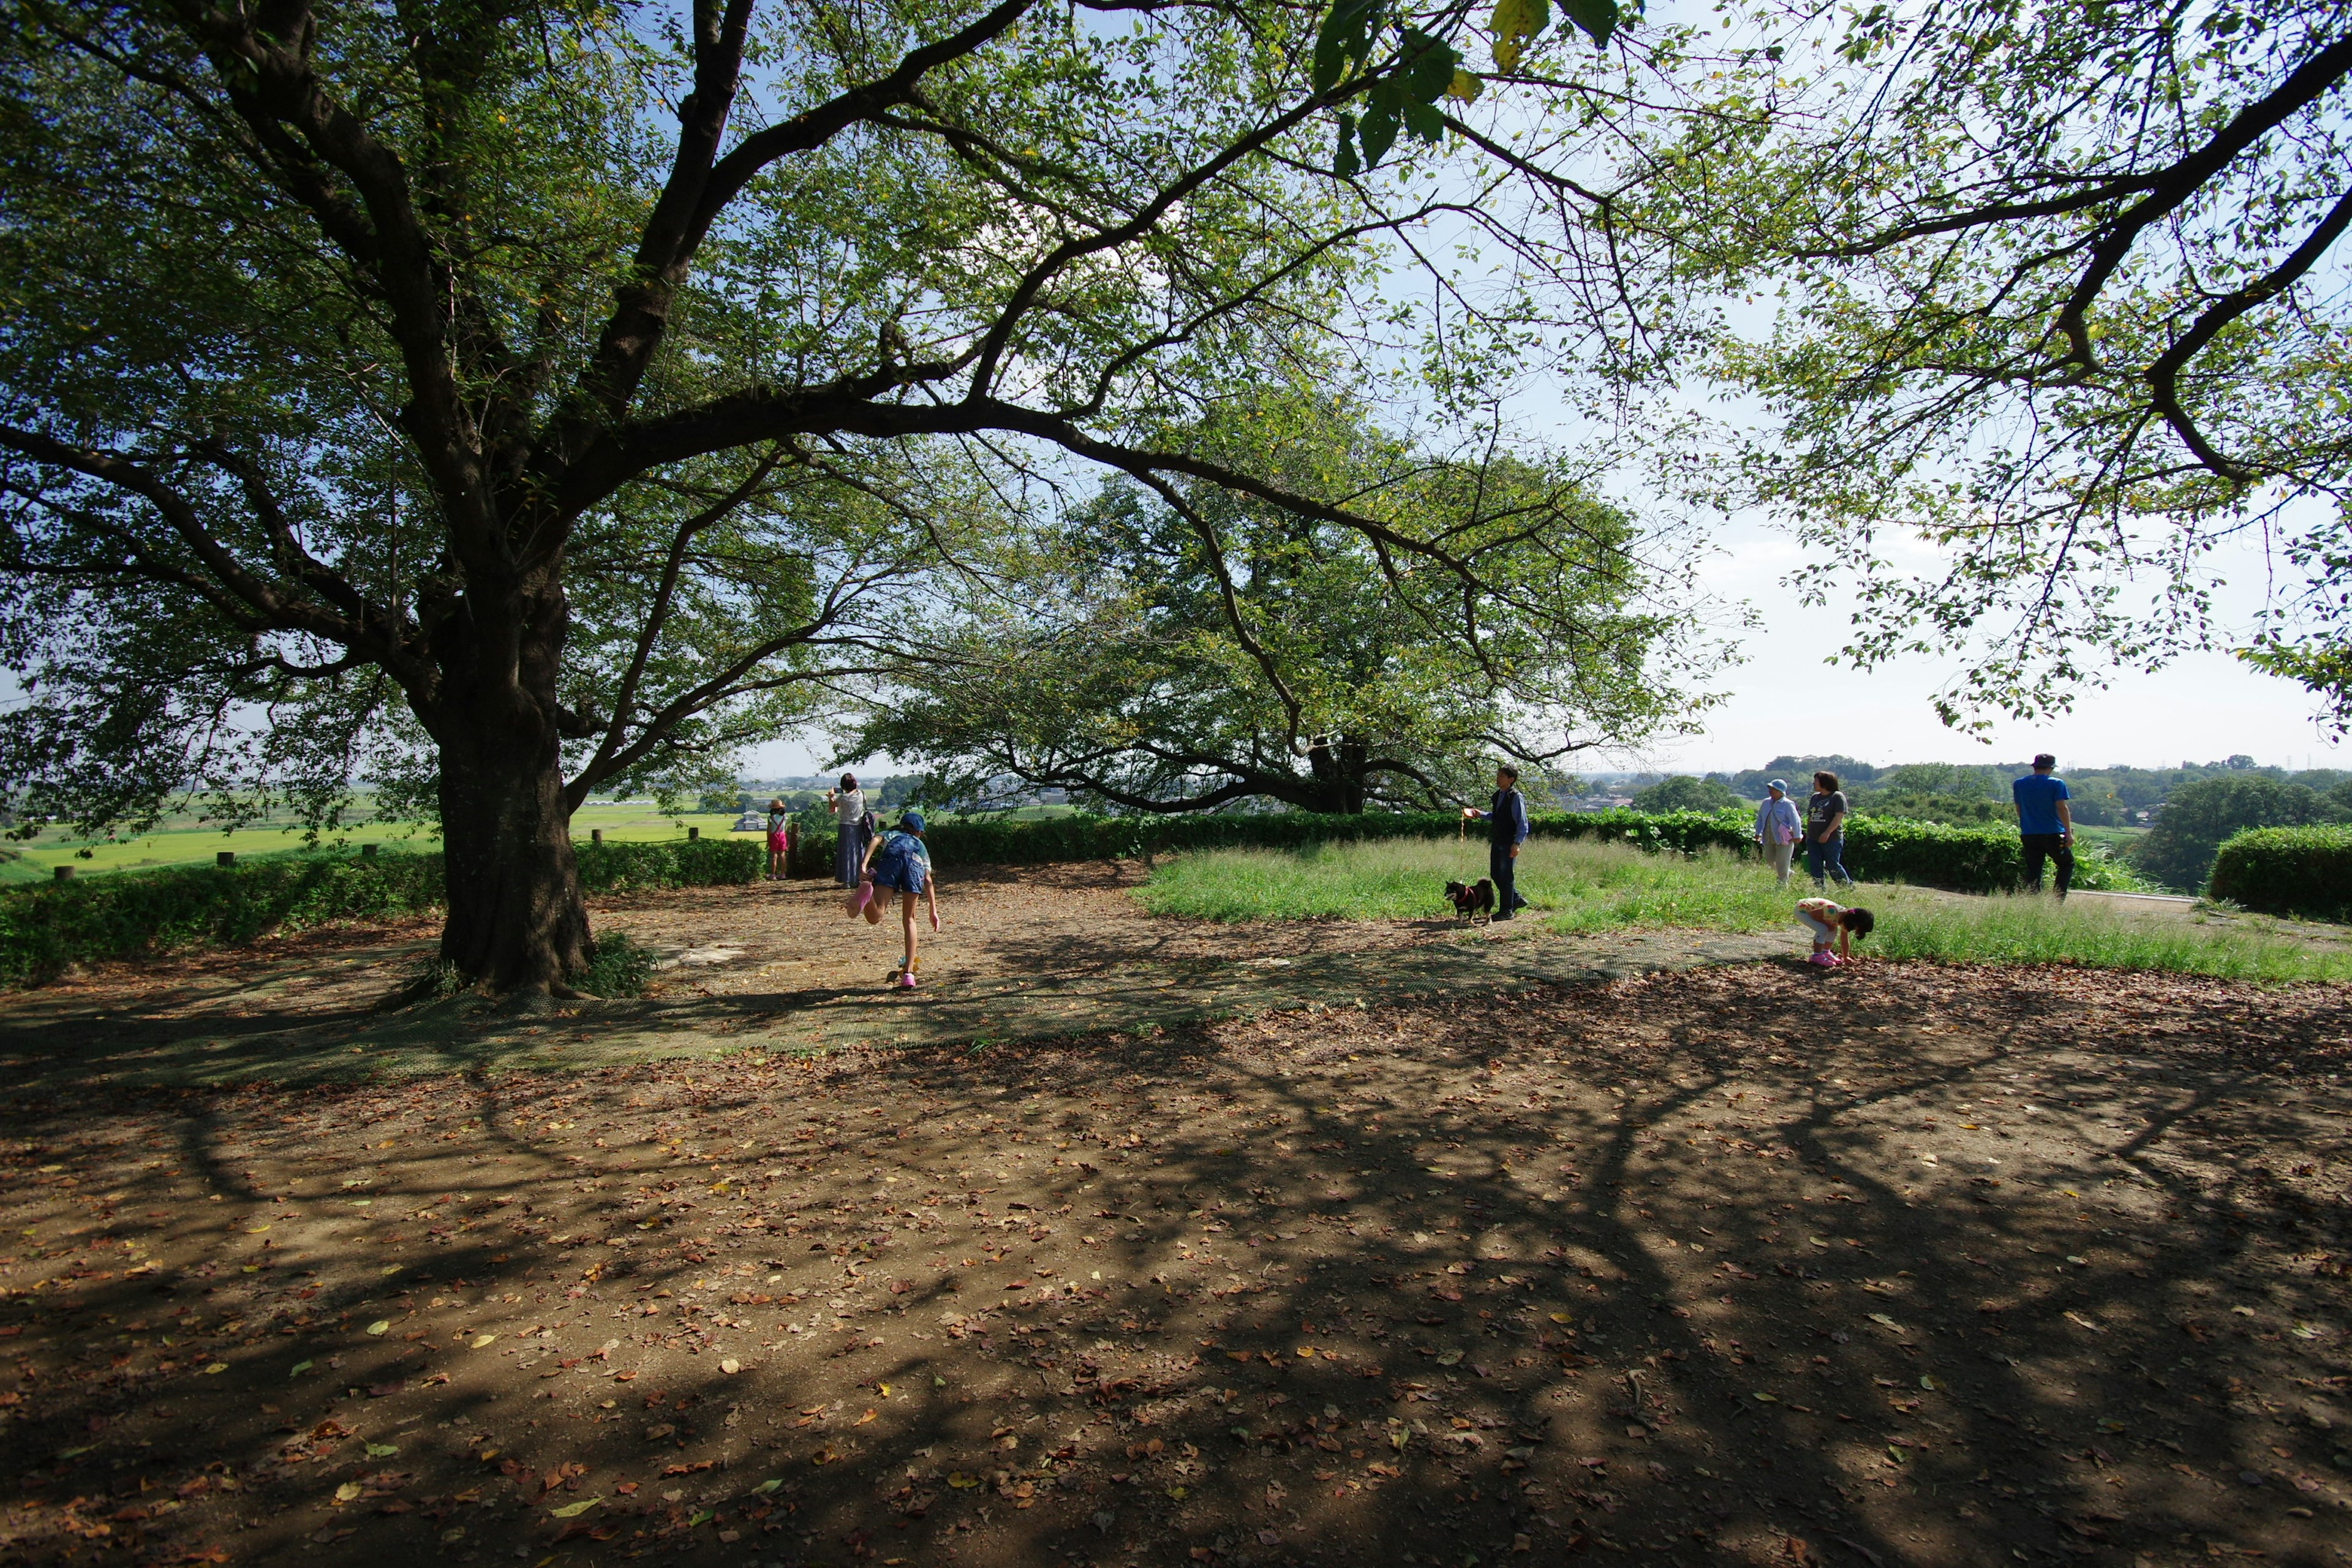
1477	898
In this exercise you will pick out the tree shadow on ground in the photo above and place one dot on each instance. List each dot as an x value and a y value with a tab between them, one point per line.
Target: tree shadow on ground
1906	1265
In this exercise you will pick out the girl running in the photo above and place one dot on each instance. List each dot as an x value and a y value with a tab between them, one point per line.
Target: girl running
897	862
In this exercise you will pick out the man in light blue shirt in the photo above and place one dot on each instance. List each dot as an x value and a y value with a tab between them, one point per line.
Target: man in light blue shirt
1777	828
2045	822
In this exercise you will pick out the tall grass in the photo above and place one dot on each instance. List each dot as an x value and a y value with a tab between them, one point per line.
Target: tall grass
1582	884
2013	928
1588	886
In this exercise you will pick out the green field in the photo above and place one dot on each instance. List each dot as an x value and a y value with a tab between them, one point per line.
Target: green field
1583	885
181	844
631	821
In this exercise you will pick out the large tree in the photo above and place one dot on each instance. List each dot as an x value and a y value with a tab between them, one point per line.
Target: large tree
2062	292
1170	646
521	398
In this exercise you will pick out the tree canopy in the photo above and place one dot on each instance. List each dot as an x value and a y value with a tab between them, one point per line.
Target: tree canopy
2060	291
507	401
1178	646
2179	850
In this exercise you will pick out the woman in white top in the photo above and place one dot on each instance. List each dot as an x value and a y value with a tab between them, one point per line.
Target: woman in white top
847	804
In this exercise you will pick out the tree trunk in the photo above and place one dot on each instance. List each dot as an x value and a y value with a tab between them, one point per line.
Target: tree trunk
517	918
1337	765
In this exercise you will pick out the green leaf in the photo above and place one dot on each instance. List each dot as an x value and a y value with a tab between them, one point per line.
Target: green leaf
1465	87
1429	65
1596	18
1378	133
1344	40
574	1509
1344	163
1514	25
1424	121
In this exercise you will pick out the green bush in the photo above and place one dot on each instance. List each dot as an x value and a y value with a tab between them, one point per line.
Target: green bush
1965	859
671	863
126	914
1683	792
47	926
2198	818
621	967
2288	872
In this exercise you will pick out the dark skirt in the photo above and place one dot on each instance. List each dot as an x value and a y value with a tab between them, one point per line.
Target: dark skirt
850	855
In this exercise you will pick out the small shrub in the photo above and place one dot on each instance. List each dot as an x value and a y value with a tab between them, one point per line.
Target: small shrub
434	980
2288	872
621	967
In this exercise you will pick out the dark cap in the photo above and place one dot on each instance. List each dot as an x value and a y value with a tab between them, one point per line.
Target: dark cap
2044	760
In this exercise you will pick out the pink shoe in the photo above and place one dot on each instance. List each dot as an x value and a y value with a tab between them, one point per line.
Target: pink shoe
860	899
906	980
1825	958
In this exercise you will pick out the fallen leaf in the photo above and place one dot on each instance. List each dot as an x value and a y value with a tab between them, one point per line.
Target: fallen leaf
574	1509
381	1326
482	1339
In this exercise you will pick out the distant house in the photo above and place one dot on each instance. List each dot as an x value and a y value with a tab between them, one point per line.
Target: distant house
750	822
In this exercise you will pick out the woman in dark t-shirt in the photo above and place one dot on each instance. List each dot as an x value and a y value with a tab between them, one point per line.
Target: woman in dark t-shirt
1825	831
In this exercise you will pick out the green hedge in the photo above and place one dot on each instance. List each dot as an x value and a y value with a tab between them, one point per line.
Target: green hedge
2287	871
1967	860
670	863
47	926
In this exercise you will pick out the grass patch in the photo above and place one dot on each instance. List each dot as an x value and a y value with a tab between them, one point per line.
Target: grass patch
2017	928
1583	885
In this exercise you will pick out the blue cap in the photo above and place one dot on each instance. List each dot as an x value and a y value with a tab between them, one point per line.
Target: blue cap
1780	784
910	820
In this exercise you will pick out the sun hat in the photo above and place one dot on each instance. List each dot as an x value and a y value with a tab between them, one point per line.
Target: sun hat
910	820
1780	784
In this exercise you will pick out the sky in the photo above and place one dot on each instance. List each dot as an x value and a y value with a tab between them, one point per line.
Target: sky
1786	700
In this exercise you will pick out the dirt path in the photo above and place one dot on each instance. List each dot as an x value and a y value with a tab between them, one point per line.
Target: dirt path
1894	1265
1037	952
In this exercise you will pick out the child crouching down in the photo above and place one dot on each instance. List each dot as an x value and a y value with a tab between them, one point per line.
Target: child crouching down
897	862
1833	923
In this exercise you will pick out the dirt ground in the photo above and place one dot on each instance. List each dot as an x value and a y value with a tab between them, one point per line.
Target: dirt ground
1034	953
1899	1264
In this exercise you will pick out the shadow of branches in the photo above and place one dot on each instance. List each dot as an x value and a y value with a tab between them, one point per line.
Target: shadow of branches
1901	1265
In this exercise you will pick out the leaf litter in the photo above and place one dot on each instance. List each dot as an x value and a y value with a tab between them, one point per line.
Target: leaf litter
1596	1267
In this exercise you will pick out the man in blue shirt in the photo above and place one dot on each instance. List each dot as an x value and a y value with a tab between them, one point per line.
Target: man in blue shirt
2045	822
1509	818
